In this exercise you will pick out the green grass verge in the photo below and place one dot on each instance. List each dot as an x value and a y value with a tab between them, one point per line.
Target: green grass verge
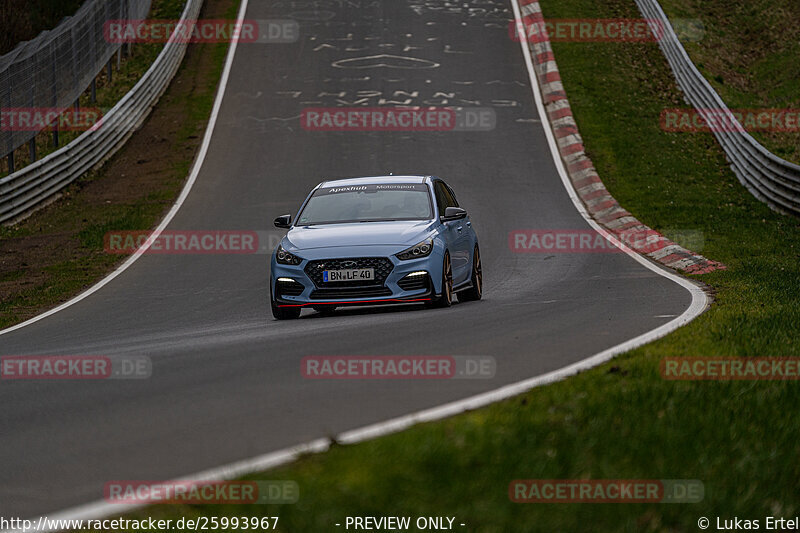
620	420
750	54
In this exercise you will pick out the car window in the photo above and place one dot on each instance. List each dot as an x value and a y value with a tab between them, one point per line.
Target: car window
441	202
367	203
444	197
452	202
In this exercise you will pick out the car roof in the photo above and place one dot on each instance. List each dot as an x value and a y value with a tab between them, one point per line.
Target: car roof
373	179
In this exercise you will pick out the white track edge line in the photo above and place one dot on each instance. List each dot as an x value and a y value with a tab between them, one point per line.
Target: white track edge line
196	166
287	455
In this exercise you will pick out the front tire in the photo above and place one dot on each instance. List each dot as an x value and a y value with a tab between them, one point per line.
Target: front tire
476	291
446	299
282	313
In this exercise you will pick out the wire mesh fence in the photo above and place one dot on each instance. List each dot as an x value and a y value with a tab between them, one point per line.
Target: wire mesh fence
53	69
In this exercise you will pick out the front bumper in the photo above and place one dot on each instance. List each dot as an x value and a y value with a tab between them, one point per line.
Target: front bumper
307	289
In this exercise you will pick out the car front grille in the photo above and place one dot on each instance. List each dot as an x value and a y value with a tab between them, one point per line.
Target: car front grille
382	265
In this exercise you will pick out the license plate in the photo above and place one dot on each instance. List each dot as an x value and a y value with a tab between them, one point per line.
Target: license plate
349	274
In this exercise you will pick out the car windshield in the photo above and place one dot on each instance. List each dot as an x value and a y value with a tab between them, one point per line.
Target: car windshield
367	203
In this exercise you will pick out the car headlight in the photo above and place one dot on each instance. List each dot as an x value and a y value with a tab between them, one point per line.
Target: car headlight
285	258
418	250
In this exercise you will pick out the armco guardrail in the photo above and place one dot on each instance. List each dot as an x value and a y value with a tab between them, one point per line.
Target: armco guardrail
769	178
33	186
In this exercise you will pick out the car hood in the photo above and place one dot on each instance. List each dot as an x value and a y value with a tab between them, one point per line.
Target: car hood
358	234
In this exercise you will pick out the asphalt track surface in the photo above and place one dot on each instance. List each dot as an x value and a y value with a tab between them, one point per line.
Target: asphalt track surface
226	381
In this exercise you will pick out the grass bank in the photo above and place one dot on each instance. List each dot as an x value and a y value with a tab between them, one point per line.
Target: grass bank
750	53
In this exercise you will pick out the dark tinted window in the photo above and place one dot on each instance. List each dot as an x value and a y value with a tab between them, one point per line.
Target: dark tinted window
450	195
444	197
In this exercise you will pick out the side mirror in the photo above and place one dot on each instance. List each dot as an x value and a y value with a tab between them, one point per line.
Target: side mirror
283	221
454	213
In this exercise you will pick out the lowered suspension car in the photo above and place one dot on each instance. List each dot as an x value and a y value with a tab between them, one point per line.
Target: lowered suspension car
377	240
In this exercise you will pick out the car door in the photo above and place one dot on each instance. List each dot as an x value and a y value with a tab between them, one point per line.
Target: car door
456	233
